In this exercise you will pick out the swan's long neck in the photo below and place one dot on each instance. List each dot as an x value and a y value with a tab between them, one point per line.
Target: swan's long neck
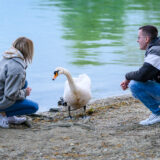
70	80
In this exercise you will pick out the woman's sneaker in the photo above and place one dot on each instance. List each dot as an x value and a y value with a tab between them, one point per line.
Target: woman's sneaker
151	120
16	120
3	122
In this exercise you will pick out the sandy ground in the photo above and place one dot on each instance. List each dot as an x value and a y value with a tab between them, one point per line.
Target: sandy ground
110	132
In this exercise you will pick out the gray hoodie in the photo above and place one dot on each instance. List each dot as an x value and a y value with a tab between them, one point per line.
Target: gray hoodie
12	78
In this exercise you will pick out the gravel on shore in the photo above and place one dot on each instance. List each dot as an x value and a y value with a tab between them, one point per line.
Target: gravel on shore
109	132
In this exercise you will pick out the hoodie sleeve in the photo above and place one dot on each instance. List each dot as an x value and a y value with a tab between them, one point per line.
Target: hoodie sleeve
13	89
145	73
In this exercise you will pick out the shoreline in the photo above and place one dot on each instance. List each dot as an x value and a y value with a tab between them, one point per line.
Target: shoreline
97	102
103	101
55	105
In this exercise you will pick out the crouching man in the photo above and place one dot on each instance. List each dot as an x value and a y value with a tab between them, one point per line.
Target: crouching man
145	82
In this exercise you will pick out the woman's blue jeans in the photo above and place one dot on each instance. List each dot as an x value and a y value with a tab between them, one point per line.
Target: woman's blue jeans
21	107
148	93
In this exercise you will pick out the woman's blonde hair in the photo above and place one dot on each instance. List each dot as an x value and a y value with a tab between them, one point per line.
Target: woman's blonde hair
25	46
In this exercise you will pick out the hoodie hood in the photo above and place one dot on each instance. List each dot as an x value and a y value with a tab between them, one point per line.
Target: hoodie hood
155	42
13	53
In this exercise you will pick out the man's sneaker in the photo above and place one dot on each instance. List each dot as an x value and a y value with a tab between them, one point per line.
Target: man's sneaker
3	122
151	120
16	120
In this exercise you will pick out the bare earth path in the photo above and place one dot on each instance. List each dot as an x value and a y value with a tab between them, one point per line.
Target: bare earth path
111	132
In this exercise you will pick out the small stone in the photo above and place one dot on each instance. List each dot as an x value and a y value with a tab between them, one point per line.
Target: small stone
71	144
55	109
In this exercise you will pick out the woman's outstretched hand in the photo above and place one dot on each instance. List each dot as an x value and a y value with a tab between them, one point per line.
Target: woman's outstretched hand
28	91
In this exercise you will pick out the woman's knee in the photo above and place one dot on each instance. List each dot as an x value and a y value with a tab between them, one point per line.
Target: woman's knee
31	105
35	107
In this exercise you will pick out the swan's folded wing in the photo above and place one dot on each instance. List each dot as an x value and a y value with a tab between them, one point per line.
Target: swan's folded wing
83	85
83	80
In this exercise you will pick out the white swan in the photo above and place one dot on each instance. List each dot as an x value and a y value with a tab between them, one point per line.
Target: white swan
77	91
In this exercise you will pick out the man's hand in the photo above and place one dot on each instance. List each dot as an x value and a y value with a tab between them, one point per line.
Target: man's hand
28	91
124	84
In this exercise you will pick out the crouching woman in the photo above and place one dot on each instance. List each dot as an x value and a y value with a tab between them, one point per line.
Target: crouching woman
13	84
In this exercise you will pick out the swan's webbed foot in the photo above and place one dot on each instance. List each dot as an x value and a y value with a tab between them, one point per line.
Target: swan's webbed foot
69	118
62	102
84	117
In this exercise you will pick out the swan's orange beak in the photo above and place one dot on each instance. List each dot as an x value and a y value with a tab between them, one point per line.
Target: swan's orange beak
55	75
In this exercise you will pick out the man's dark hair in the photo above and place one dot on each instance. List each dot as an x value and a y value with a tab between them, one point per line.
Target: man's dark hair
150	31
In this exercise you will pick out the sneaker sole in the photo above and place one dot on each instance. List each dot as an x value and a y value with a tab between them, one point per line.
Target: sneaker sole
150	123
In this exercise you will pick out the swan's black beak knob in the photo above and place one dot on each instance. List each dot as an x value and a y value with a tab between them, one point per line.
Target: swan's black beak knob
55	75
